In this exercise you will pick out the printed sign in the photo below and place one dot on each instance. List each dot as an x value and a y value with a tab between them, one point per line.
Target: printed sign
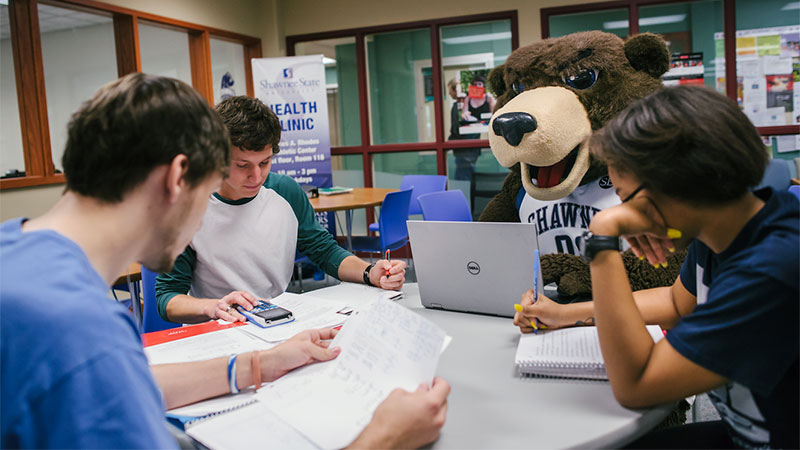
294	88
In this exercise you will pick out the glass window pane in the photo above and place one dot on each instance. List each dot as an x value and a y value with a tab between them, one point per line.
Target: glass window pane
227	69
165	52
348	171
79	56
466	164
11	153
388	168
400	88
768	61
611	21
690	30
341	75
469	52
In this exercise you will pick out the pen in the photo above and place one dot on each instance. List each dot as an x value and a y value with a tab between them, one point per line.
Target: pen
535	286
386	257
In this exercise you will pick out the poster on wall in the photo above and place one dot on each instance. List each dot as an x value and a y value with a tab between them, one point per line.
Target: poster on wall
685	68
294	89
768	73
477	102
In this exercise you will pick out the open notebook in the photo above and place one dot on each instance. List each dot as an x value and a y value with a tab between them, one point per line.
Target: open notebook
566	353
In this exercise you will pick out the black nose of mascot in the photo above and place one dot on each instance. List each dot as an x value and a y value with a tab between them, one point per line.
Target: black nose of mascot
513	126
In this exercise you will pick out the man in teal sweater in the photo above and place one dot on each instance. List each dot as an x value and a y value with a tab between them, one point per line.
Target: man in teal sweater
245	248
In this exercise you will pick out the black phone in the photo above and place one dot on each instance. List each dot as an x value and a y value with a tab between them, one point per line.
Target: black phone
266	315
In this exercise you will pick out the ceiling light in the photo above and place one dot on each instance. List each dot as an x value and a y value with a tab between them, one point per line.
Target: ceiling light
791	5
328	61
658	20
477	38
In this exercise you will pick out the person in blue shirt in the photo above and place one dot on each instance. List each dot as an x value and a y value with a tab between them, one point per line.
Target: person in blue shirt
142	157
685	161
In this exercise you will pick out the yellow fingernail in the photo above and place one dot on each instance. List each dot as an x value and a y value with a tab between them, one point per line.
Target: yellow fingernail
672	233
543	327
671	249
664	264
641	258
534	325
656	266
517	307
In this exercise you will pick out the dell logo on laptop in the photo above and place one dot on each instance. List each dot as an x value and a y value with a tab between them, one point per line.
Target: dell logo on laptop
473	268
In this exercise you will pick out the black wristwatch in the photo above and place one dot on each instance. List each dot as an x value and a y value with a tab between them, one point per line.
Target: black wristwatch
366	275
592	244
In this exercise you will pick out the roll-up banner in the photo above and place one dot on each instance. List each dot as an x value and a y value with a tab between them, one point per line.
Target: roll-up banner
294	89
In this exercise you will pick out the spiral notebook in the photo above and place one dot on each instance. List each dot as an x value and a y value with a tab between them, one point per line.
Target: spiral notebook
566	353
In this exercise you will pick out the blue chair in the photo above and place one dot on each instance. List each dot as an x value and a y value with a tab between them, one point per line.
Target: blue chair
778	176
392	229
795	189
421	184
445	205
151	321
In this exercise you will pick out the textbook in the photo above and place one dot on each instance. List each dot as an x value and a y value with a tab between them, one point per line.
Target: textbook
334	190
566	353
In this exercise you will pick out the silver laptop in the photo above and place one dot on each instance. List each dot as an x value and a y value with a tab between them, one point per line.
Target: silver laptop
477	267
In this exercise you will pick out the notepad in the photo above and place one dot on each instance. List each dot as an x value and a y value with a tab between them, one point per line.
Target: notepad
334	190
566	353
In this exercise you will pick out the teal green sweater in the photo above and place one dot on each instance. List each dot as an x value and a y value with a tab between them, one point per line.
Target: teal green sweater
313	241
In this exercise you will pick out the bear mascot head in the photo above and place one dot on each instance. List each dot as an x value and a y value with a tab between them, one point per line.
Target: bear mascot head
551	96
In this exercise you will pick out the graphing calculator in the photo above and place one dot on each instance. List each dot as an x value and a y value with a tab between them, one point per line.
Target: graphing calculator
267	315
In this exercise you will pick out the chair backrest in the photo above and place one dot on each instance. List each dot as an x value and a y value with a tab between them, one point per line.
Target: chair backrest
392	221
151	321
483	187
795	189
445	205
422	184
777	176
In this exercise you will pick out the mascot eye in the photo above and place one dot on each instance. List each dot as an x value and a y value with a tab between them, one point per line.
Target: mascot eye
585	79
518	87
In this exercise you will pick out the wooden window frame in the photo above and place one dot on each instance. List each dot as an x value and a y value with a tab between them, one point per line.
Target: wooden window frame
729	15
29	71
440	145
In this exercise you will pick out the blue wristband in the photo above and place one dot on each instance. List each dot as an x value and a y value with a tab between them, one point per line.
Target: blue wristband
232	374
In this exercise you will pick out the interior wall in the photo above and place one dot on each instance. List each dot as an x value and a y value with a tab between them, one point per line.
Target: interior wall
310	16
259	18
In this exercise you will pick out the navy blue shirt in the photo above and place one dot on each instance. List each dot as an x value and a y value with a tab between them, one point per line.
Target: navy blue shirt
72	370
745	324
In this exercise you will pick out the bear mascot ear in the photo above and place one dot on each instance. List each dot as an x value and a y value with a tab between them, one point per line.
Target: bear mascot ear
496	81
648	53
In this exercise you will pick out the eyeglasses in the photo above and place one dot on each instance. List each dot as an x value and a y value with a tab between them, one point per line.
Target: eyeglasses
633	194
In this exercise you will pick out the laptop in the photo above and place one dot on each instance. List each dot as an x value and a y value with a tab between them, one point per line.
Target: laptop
476	267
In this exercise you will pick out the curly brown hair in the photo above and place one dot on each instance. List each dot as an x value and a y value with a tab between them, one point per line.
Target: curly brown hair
251	124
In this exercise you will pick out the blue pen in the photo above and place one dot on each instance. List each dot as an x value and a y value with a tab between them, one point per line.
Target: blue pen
535	284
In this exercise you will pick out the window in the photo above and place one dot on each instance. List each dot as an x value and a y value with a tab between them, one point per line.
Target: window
12	158
341	79
611	21
399	75
227	69
62	51
165	51
79	56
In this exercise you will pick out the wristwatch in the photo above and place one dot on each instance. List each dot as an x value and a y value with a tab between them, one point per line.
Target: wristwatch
592	244
366	275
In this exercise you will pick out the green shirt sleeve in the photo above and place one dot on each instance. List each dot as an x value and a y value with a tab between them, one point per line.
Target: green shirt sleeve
313	241
176	282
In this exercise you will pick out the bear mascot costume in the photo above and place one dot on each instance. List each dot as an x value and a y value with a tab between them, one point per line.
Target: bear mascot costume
551	95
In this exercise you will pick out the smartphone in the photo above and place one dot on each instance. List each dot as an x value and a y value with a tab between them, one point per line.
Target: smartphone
267	315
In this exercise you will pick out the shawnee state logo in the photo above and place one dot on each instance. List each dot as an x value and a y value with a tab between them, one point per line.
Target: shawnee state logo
287	73
473	268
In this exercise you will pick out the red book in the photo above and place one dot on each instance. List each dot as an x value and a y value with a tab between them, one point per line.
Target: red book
173	334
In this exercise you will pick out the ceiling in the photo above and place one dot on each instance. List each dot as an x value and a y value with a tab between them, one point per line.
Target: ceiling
52	18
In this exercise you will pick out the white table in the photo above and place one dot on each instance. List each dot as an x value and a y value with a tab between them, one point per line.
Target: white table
491	407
